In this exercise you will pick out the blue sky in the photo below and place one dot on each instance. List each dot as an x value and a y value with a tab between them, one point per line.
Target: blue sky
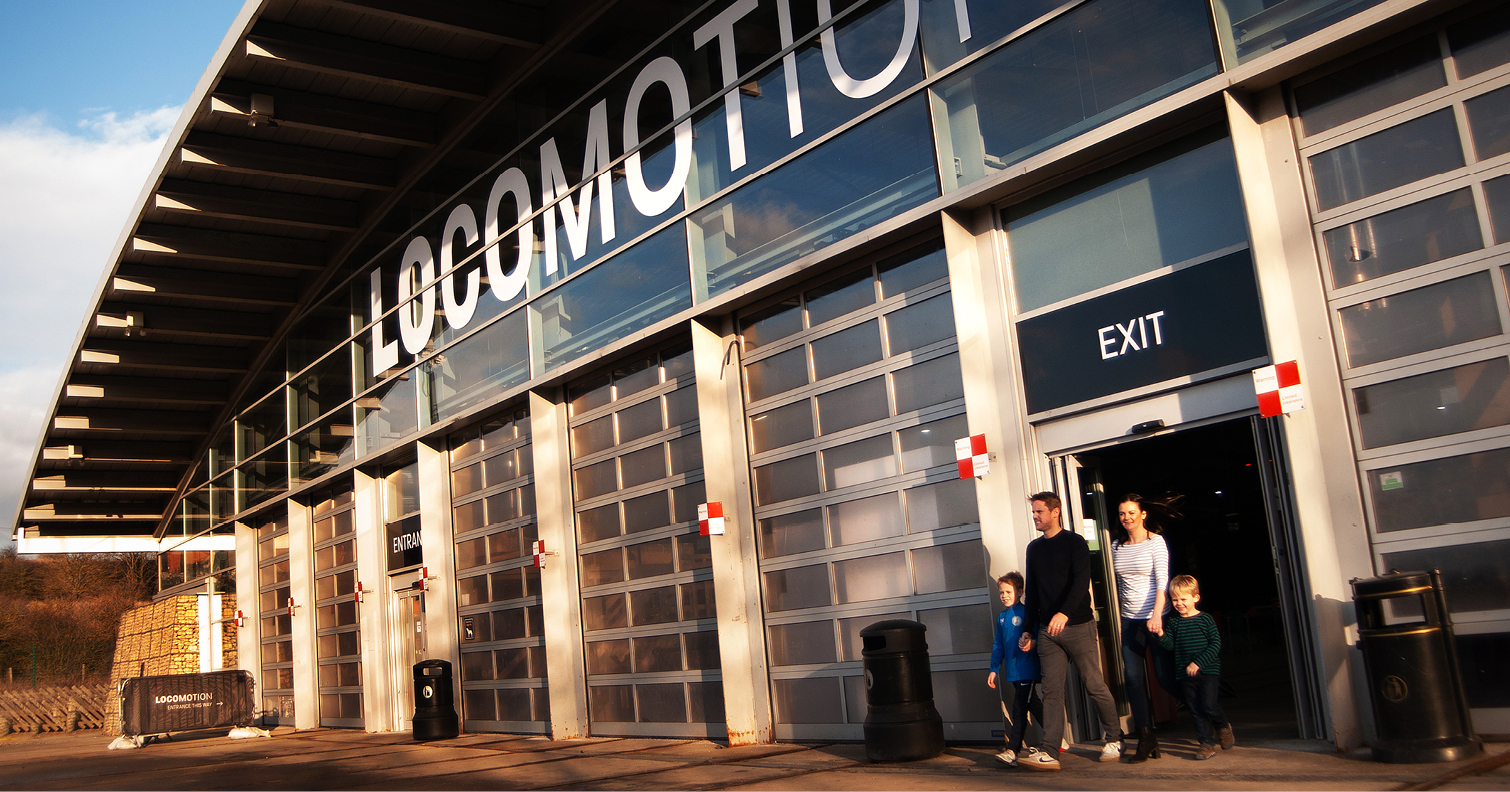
88	91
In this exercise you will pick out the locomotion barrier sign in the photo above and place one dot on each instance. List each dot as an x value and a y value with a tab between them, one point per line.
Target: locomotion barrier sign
185	702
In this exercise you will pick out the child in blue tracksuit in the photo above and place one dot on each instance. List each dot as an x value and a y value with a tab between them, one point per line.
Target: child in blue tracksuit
1017	666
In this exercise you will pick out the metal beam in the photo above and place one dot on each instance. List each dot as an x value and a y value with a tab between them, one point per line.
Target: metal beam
86	452
136	481
181	196
86	388
109	354
328	114
499	22
103	419
140	281
329	53
262	158
66	511
141	320
174	241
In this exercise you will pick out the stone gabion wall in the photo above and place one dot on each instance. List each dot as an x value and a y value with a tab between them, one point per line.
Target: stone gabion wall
228	631
156	639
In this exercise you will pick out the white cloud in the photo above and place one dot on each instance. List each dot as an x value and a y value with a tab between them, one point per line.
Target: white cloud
64	199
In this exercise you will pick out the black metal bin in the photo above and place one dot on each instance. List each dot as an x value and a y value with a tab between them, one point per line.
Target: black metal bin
1414	681
435	715
902	723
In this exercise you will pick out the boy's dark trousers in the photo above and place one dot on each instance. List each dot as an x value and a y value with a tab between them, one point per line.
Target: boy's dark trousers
1023	703
1201	697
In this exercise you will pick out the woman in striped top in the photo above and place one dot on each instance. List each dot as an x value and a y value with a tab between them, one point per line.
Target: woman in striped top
1141	562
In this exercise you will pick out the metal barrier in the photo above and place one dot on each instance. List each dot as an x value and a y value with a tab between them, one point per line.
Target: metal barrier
186	702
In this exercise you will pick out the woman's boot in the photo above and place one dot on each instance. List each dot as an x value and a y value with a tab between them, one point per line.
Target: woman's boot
1148	746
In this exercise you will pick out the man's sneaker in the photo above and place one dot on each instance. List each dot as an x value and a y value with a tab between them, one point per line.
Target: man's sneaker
1008	758
1225	738
1112	752
1038	760
1206	751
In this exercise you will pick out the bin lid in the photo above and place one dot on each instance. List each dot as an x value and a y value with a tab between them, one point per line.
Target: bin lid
442	664
893	636
1395	584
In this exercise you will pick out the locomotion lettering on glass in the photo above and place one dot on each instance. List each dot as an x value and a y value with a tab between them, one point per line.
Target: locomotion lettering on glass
662	77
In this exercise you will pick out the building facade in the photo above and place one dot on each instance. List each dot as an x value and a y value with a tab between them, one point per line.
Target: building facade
450	395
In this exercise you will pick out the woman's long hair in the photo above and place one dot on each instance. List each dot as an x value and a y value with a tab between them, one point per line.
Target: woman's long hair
1160	512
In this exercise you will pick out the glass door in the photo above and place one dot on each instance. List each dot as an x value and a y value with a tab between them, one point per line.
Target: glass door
409	629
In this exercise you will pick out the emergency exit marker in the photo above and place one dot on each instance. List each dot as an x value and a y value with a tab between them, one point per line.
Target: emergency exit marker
710	518
1278	389
538	546
971	454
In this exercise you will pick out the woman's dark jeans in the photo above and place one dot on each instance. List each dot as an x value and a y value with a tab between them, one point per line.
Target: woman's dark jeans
1136	642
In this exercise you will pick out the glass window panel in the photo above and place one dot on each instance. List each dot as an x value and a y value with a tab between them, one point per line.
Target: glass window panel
872	578
593	436
385	414
855	705
322	388
686	454
813	700
508	584
641	420
913	268
849	632
509	624
677	363
1482	659
534	615
1385	160
1489	120
654	653
787	534
478	628
590	394
852	405
1497	191
600	523
942	505
635	377
1434	404
479	705
472	590
513	704
702	651
646	513
698	600
866	519
939	28
504	545
1256	28
321	449
694	551
608	657
957	696
649	559
1475	577
1397	240
636	288
476	665
512	663
919	325
503	467
950	567
466	481
860	462
1432	317
802	643
1089	66
653	606
611	703
639	467
662	703
839	297
1456	489
771	324
1374	84
468	517
681	406
595	480
1480	43
685	500
604	613
799	587
777	374
1167	207
787	479
847	350
931	444
928	383
830	193
602	567
782	426
477	368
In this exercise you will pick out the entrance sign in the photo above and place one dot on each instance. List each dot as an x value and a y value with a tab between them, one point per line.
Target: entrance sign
1197	319
404	548
1278	389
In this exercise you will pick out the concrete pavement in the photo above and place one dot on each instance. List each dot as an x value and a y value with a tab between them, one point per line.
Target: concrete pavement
342	759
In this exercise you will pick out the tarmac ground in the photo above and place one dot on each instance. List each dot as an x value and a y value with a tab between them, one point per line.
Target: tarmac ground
346	759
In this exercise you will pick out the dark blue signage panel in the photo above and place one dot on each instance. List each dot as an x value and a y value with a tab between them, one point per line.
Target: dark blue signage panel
403	544
1190	321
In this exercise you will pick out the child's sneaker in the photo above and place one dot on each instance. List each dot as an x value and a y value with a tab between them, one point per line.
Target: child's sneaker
1112	751
1008	758
1038	760
1206	751
1225	738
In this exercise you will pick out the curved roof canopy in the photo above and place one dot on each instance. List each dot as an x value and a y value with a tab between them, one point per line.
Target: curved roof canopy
316	119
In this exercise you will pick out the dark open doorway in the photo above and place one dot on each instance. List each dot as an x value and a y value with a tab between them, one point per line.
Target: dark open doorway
1224	540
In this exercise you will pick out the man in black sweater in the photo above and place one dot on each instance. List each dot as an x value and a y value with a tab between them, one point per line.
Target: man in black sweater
1059	615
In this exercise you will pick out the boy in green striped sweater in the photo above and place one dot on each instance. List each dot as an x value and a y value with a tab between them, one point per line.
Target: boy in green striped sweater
1196	645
